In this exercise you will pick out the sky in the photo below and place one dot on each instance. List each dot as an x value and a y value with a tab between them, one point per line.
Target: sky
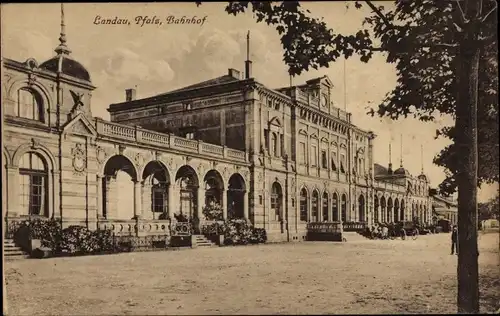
159	58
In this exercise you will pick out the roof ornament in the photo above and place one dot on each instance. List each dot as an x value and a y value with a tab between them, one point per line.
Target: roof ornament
62	49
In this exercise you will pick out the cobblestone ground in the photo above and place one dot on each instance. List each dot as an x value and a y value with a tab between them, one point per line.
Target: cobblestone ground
306	278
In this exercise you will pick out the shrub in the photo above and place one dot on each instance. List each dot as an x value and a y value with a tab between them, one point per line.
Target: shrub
213	229
213	211
239	232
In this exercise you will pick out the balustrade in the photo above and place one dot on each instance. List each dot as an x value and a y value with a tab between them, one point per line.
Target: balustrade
165	140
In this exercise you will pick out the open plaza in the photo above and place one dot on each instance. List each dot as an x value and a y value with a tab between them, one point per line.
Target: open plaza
358	277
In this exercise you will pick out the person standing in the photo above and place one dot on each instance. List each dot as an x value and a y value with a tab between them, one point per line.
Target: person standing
454	239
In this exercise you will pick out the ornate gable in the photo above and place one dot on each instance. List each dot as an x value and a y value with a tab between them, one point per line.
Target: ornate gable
80	126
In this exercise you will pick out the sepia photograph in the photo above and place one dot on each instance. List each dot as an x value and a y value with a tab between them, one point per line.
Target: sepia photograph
250	158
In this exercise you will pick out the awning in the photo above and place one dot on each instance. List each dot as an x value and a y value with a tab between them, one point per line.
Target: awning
443	210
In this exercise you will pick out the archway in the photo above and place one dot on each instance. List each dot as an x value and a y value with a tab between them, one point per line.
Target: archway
335	207
389	210
188	184
325	207
304	216
277	201
118	188
155	191
396	211
375	210
236	200
361	208
214	188
383	209
314	206
34	187
343	208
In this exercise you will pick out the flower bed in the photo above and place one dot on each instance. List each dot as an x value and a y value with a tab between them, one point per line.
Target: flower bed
235	232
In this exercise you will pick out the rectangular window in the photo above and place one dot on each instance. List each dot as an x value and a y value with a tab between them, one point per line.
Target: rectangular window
266	139
302	153
190	135
324	160
303	208
342	163
282	145
33	193
314	152
334	161
158	200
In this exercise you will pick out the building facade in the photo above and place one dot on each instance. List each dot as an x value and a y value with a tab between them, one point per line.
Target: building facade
279	158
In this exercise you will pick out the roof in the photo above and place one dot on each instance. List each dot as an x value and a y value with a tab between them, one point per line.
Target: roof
70	67
380	170
218	80
402	171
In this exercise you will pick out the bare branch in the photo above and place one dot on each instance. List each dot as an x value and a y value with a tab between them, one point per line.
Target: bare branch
462	11
490	12
380	14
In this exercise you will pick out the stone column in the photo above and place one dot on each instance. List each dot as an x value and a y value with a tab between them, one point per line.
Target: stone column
200	204
171	201
245	205
99	195
224	204
13	192
137	199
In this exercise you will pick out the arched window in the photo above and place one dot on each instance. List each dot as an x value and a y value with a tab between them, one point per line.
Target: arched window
33	184
314	206
361	206
335	207
344	208
325	207
276	198
303	205
29	105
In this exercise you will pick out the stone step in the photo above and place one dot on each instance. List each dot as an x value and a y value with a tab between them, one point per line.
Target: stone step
5	246
353	236
8	240
16	257
14	253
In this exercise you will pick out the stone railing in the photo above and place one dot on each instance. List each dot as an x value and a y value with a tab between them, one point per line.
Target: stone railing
136	227
140	135
324	227
354	226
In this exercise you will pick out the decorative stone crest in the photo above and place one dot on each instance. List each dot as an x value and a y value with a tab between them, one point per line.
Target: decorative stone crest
260	177
121	149
31	79
101	154
200	169
79	160
225	172
139	160
35	144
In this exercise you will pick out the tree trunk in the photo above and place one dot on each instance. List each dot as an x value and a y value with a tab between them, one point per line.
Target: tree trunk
466	127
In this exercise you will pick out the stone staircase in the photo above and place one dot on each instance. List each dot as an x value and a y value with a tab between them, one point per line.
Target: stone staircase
202	241
353	236
11	251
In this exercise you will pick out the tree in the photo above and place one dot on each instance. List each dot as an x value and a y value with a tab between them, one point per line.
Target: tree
438	48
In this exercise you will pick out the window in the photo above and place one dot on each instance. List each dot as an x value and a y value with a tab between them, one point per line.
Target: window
187	106
33	182
342	163
314	206
303	205
324	160
360	166
344	208
266	139
325	207
282	145
29	105
158	200
334	161
274	144
314	152
302	152
335	210
276	200
276	106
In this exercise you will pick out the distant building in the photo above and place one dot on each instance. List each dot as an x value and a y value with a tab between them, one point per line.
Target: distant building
444	208
280	158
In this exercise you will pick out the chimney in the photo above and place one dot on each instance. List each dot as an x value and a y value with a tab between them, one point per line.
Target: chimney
130	95
234	73
248	69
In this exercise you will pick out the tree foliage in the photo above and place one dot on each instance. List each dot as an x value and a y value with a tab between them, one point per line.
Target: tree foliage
420	38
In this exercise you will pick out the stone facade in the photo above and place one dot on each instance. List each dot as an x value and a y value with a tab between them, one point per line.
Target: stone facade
279	158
